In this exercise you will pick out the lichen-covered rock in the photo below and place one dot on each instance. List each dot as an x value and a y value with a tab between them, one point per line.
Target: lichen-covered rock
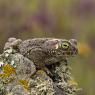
41	84
14	68
24	67
65	82
2	89
21	64
18	90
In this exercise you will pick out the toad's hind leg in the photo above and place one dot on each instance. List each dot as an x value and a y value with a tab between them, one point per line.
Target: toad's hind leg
37	55
48	72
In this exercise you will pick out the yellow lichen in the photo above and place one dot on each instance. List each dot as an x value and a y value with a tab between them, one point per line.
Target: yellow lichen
7	70
10	93
24	83
2	75
40	72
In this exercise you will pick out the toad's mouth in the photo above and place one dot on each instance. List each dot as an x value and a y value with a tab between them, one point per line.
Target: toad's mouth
70	53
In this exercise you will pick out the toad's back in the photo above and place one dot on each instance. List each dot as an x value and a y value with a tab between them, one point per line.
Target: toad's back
34	49
37	43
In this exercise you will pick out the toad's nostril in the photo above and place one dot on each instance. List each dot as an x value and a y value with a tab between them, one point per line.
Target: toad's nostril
76	51
74	41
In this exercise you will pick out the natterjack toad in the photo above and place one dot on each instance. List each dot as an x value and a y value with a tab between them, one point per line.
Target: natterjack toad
44	51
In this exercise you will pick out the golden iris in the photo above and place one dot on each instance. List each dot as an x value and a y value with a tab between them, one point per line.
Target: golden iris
65	45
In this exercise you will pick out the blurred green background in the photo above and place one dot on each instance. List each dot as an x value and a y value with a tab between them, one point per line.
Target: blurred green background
55	18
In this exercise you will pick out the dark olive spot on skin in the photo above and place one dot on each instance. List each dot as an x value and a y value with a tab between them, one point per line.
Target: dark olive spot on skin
68	53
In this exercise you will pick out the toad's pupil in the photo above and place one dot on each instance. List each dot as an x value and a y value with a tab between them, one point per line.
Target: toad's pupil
68	53
65	46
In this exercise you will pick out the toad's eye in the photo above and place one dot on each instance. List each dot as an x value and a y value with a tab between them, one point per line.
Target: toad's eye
65	45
